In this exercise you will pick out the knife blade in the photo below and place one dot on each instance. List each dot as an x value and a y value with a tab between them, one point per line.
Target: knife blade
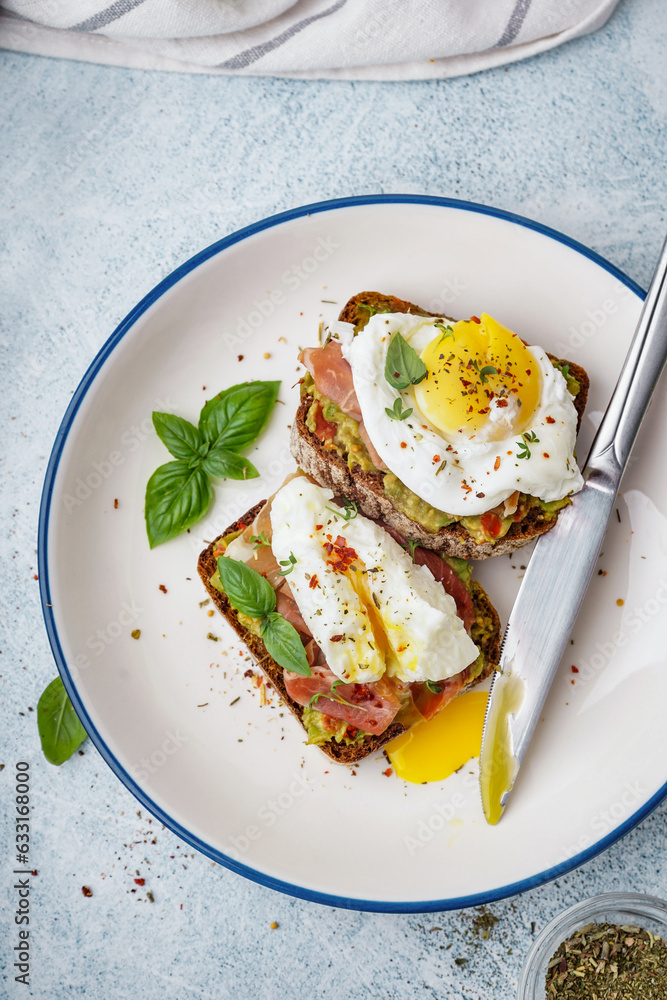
563	561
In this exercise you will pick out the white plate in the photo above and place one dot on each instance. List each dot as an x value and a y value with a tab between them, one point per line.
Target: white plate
236	780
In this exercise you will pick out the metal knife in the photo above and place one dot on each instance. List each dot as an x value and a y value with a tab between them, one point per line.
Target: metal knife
563	561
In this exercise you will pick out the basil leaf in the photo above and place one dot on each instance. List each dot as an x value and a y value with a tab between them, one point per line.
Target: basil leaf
180	436
248	591
283	644
403	366
59	728
224	464
176	498
235	417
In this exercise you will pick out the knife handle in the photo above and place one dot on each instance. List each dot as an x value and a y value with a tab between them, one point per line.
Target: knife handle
640	373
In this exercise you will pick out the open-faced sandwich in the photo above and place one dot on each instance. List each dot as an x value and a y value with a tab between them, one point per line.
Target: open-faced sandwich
456	434
361	632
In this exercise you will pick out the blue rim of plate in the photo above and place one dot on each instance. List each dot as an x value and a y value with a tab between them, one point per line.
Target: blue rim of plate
328	899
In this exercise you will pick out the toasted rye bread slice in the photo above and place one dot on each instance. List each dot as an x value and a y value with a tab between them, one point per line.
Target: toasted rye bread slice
207	565
367	488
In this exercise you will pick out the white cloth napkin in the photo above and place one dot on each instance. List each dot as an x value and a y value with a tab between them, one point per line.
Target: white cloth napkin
333	39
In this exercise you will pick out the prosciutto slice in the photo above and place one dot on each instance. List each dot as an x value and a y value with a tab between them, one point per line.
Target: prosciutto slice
372	707
333	378
289	609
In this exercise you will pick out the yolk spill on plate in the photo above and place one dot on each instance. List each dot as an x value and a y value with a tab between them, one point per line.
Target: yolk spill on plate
433	750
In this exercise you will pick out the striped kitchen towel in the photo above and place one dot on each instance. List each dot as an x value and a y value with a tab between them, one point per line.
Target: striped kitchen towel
333	39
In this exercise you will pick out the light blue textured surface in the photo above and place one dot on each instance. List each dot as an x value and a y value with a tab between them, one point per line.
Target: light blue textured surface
111	178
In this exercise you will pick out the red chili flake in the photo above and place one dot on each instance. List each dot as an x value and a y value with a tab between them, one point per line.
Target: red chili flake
249	673
401	649
115	504
572	681
313	581
162	588
359	693
496	464
527	371
509	452
342	556
336	638
240	357
465	383
502	402
403	444
388	773
86	891
575	670
140	881
34	873
436	459
551	420
475	319
35	576
546	454
318	527
480	496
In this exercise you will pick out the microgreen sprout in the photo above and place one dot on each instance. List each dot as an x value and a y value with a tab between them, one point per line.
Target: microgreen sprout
289	563
259	540
333	696
397	412
446	332
349	512
371	309
529	437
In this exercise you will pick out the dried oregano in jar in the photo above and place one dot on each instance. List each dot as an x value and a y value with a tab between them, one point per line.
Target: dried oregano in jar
609	962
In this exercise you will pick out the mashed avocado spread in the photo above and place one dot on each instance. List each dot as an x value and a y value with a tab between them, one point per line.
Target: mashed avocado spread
317	725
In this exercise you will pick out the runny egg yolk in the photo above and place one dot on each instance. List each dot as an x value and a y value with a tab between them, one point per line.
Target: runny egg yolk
431	751
356	574
475	368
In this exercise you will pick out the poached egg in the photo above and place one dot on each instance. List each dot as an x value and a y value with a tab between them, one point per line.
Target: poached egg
492	415
371	610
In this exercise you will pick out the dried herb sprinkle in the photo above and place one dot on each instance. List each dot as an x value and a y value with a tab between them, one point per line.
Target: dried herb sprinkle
609	962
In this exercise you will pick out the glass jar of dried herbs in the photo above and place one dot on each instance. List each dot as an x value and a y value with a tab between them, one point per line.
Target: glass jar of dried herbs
608	947
609	962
